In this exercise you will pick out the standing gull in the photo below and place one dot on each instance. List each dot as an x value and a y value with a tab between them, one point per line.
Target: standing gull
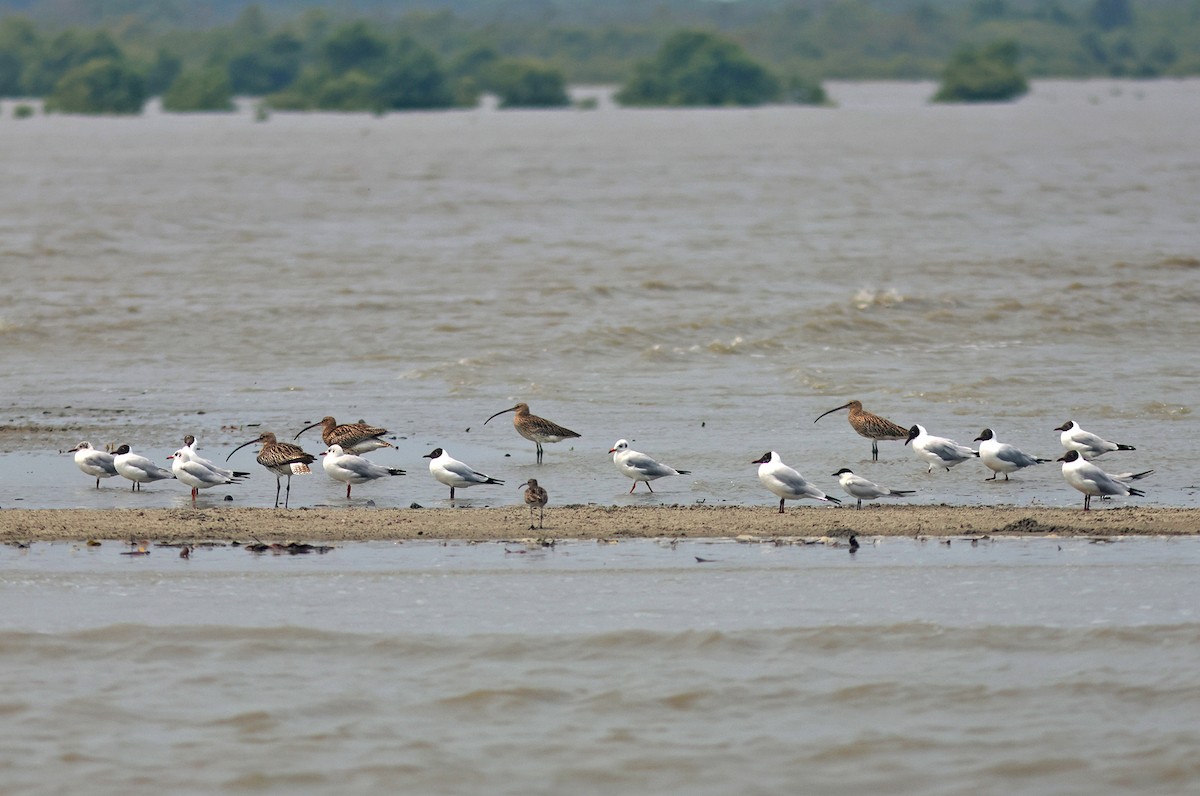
535	429
351	469
94	462
860	488
1000	457
639	466
455	474
190	448
193	472
1091	480
1074	438
937	451
281	458
871	426
786	482
535	498
353	437
138	469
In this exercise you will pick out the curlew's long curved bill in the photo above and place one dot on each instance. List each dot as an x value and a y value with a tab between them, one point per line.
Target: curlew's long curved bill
831	411
502	411
239	447
301	431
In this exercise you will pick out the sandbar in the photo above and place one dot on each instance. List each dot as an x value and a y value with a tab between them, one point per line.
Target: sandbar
584	522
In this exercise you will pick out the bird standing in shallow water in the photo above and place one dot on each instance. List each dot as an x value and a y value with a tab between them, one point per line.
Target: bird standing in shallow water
871	426
191	470
351	469
1000	457
937	451
353	437
535	429
535	497
94	462
1091	480
1088	444
138	469
639	466
786	482
455	474
281	458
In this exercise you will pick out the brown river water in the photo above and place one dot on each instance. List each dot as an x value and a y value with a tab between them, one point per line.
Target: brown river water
702	283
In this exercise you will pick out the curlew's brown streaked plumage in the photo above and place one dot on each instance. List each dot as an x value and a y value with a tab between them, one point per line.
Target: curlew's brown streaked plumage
281	458
871	426
535	429
535	497
353	437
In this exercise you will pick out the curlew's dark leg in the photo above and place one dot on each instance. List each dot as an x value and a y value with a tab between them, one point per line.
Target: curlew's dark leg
874	450
277	485
541	516
288	494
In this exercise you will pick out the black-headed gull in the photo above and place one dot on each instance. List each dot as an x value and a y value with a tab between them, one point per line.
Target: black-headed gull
351	469
1000	457
1074	438
455	474
786	482
93	462
937	451
138	469
639	466
1091	480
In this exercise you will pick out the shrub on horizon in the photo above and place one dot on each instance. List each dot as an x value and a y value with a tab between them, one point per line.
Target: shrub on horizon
989	74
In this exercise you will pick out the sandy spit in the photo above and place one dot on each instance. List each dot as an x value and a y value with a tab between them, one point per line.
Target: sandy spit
581	522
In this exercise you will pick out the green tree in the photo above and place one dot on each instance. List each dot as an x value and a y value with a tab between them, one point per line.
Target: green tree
699	68
1111	14
266	66
354	46
162	72
199	90
102	86
65	52
529	84
413	79
19	49
982	75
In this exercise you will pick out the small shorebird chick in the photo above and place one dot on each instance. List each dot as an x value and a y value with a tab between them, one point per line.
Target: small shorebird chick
93	462
455	474
535	497
858	487
937	451
1091	480
639	466
1000	457
1088	444
535	429
281	458
351	469
786	482
871	426
353	437
138	469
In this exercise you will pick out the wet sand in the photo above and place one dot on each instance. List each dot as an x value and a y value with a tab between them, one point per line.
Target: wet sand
582	522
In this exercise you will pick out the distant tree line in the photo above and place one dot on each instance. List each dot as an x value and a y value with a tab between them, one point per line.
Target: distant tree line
671	52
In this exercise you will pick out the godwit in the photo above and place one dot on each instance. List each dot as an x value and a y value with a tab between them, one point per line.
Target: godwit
639	466
1000	457
281	458
94	462
1074	438
535	498
454	473
194	473
786	482
937	451
860	488
1091	480
353	437
535	429
189	444
871	426
138	469
351	469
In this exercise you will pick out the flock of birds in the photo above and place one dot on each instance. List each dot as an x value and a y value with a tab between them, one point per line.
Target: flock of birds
343	462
